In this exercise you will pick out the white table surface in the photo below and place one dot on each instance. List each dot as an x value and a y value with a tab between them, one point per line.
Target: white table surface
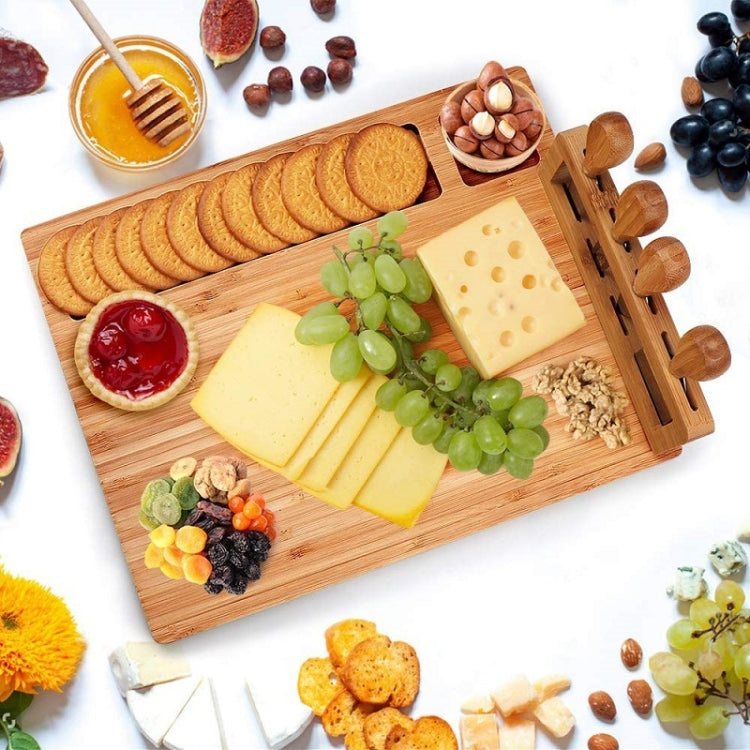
555	590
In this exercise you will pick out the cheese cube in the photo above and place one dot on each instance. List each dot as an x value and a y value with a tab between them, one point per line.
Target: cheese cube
478	704
555	716
479	732
199	725
551	685
142	664
517	734
515	696
499	289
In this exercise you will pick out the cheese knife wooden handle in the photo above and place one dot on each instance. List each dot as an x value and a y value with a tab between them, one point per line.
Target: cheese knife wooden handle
609	142
663	265
702	354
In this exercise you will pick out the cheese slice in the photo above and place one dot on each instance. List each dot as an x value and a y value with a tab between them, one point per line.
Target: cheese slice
199	726
156	708
499	289
403	481
138	664
266	390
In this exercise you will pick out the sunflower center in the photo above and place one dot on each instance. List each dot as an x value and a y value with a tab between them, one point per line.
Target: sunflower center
8	622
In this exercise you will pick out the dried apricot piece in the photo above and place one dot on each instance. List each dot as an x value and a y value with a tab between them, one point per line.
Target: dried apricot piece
191	539
153	557
163	535
196	568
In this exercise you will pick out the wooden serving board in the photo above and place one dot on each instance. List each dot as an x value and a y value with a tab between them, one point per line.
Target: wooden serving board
318	545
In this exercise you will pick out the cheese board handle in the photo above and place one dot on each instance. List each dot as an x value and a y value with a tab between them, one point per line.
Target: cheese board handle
701	354
663	265
609	142
641	209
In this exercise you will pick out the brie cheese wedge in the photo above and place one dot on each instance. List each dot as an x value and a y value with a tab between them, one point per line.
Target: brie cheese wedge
199	726
142	664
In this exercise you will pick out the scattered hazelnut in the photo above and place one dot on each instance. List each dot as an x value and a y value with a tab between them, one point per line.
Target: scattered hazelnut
506	128
466	140
498	97
280	79
339	70
491	148
322	6
313	78
482	125
602	705
256	95
341	46
517	146
631	653
272	36
450	117
490	72
641	697
472	103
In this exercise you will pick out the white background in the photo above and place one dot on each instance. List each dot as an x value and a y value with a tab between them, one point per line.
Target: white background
556	590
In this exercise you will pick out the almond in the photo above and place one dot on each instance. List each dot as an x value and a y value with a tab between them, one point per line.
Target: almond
641	697
602	705
603	742
651	156
692	92
631	653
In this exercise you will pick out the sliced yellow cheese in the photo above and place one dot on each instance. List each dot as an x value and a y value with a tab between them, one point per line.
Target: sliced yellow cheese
266	390
498	288
403	481
326	461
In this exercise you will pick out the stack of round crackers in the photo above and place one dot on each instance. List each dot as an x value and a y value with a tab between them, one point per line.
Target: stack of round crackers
236	216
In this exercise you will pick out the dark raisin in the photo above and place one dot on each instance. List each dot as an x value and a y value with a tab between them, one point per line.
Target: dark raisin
252	570
239	541
216	534
259	543
217	553
222	574
213	588
236	560
238	585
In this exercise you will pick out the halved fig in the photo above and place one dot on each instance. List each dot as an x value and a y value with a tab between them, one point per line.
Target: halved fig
228	29
10	438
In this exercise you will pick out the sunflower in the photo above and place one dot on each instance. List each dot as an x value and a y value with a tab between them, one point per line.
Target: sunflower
40	646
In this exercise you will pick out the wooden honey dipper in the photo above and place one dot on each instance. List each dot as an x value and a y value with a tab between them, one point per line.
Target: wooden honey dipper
156	109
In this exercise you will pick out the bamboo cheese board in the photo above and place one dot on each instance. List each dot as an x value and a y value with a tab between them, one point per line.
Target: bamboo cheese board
318	545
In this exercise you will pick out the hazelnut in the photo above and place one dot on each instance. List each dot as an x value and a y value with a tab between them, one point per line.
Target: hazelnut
465	140
491	148
490	72
517	146
256	95
339	70
472	103
498	96
450	117
482	125
534	126
313	78
280	79
322	6
506	128
272	36
341	46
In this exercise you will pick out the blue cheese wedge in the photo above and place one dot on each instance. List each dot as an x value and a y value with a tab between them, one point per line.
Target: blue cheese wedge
199	725
728	558
142	664
688	583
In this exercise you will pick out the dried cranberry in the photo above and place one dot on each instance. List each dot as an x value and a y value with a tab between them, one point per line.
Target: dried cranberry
145	322
111	342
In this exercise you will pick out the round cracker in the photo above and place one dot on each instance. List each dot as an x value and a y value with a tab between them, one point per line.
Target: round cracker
185	235
330	179
300	193
156	244
386	166
53	279
105	257
213	225
269	205
79	263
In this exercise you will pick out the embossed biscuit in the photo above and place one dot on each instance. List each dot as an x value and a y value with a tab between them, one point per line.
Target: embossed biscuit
386	166
156	244
185	235
330	178
213	225
105	256
53	279
300	193
269	205
79	263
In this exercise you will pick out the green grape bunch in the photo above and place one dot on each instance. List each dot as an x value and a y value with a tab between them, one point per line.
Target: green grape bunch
485	425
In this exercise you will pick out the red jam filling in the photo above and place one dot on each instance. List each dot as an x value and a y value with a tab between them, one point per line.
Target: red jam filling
137	349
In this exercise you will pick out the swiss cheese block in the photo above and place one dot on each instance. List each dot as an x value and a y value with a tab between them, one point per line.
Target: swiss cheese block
499	289
266	390
403	481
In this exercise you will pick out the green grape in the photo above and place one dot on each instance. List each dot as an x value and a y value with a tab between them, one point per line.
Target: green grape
543	433
418	287
504	393
392	224
373	310
480	396
742	662
709	721
360	238
346	359
703	611
448	377
469	381
377	350
389	394
516	466
423	333
322	308
674	708
680	634
710	664
362	282
464	452
442	443
391	247
529	412
490	463
525	443
402	315
742	631
389	274
490	435
321	329
727	649
729	592
430	359
672	674
412	408
502	419
335	277
428	429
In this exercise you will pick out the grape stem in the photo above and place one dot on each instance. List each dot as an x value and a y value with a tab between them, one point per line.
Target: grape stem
725	621
709	689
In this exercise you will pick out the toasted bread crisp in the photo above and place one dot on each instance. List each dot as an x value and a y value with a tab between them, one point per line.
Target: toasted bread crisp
427	733
343	636
377	726
344	714
318	683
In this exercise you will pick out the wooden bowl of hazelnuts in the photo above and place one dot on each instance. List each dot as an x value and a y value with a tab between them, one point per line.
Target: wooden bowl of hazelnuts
494	123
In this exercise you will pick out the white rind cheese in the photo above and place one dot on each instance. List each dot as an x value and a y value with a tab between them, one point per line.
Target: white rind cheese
199	725
142	664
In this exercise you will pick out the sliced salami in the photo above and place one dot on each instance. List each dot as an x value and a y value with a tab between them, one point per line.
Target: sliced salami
22	68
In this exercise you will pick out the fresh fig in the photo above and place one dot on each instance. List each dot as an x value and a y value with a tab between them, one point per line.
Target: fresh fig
10	438
228	29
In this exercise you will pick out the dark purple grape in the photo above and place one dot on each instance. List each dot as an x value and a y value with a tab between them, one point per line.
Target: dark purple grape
721	40
718	108
741	72
713	23
740	9
741	101
744	46
718	63
731	155
722	132
699	72
732	179
689	130
701	160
